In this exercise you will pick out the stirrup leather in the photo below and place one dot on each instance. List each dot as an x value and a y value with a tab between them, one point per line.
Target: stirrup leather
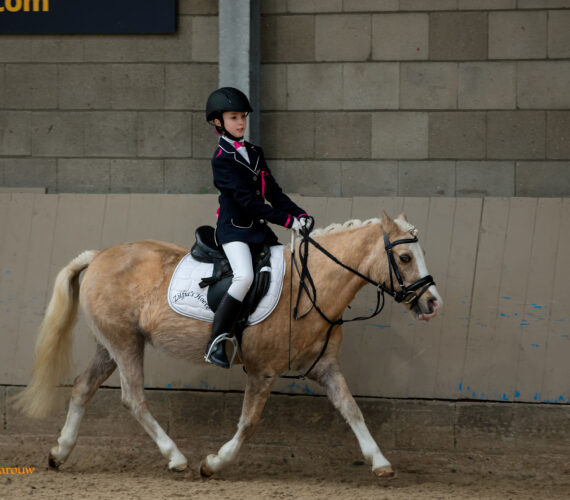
222	338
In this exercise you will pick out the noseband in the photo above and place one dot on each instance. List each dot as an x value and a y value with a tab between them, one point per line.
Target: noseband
405	294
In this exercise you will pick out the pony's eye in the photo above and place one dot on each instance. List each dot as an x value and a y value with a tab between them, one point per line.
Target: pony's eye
405	258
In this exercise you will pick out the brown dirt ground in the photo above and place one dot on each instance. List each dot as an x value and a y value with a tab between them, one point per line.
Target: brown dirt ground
119	468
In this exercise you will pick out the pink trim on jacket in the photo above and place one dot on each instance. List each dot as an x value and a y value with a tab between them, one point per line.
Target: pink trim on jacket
263	175
288	221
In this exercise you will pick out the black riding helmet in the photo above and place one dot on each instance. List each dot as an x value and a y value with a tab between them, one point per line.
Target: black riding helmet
226	99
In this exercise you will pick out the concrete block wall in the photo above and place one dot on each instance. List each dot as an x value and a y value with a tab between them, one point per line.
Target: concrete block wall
418	97
110	114
359	98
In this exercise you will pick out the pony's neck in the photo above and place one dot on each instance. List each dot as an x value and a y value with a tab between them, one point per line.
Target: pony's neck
336	286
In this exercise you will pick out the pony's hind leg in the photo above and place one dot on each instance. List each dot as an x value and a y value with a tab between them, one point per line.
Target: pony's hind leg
84	387
130	362
257	391
328	374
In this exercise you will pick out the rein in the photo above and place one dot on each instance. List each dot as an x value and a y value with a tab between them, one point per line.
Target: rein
307	284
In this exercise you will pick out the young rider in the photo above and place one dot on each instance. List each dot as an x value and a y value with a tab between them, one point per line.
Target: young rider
245	184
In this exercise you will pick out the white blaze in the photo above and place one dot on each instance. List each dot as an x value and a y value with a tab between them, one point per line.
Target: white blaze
418	256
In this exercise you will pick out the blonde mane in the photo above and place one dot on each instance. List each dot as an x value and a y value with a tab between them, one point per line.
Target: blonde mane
338	227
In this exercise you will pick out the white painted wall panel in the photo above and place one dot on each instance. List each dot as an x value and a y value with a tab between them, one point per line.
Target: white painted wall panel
501	265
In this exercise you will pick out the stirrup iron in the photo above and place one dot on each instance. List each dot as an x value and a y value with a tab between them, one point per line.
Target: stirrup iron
222	338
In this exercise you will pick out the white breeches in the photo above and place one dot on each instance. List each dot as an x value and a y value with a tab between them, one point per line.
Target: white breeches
239	256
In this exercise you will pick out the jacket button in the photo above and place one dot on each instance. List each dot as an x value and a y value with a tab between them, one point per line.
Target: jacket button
262	221
255	177
257	192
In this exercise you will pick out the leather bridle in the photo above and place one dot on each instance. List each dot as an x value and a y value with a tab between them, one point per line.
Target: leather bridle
406	294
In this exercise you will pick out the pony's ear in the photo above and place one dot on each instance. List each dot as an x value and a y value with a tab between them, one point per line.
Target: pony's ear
387	223
402	216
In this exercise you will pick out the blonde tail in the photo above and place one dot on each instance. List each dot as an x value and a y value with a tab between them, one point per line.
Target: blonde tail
54	343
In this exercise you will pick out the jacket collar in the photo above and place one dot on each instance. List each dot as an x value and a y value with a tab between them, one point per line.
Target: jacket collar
252	152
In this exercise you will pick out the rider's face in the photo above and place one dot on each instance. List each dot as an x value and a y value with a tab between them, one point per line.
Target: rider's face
235	123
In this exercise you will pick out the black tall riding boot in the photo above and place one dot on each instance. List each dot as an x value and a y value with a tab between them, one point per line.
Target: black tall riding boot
224	320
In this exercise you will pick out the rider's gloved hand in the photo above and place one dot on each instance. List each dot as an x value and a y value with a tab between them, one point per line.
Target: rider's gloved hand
307	222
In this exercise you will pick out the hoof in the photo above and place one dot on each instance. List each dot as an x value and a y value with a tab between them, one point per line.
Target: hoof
385	472
182	473
180	468
205	471
53	463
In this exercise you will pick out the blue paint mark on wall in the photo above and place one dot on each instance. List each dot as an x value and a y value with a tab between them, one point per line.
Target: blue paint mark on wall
535	345
536	306
516	396
294	387
7	271
206	387
508	298
524	322
379	325
564	335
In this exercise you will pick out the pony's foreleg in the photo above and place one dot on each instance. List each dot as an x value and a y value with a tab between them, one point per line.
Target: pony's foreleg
257	391
84	387
331	378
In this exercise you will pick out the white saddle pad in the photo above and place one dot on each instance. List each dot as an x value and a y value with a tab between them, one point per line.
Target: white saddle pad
187	298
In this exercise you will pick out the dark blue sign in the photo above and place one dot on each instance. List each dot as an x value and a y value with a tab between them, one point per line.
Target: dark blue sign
87	16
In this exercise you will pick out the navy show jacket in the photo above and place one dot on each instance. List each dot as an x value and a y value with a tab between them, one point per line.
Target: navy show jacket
244	189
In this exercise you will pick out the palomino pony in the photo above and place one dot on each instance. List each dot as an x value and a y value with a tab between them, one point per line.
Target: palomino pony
124	297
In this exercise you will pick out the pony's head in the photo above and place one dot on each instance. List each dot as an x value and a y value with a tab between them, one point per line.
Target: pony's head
405	272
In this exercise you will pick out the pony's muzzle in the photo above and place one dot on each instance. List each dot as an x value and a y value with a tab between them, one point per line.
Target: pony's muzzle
429	305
